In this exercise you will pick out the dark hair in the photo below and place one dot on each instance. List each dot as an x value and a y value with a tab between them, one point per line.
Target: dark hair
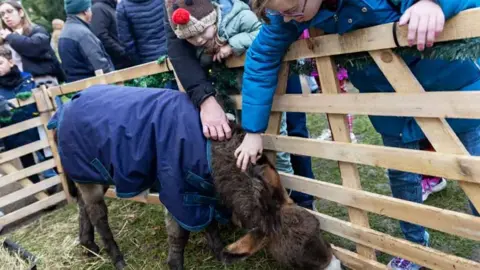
5	52
26	22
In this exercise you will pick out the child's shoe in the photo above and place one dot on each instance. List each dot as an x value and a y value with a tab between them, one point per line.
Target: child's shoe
431	185
402	264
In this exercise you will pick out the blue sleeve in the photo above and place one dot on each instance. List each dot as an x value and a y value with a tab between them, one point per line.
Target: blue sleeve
450	7
124	34
262	65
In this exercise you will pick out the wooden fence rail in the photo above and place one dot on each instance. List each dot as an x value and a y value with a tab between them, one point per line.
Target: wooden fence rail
450	161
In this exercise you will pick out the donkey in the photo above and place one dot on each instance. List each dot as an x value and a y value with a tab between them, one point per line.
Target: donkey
260	204
138	138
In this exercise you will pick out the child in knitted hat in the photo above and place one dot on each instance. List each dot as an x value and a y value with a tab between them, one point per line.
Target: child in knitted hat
217	30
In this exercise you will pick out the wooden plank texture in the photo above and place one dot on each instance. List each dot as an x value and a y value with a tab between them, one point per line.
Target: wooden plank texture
28	191
451	166
32	208
20	127
22	150
25	182
451	104
460	224
45	105
428	257
27	172
150	198
356	262
276	117
464	25
438	132
110	78
20	103
340	132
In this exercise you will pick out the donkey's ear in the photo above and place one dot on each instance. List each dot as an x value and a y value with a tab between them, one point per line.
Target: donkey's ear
271	176
244	247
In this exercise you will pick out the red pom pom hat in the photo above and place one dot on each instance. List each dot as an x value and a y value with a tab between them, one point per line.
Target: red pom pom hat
189	18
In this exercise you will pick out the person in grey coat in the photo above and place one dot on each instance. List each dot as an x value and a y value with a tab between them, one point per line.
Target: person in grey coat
82	53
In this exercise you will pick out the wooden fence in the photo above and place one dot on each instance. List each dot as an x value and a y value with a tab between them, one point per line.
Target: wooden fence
451	159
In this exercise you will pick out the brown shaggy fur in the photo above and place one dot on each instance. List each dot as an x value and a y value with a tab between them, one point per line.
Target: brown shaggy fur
260	204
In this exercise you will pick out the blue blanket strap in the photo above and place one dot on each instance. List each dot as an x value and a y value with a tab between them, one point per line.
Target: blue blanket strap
200	184
209	155
191	199
102	170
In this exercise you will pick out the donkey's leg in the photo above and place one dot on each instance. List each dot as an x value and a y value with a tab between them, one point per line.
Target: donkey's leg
93	196
86	232
214	240
177	240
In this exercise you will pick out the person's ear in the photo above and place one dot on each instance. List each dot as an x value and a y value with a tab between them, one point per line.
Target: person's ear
10	63
21	13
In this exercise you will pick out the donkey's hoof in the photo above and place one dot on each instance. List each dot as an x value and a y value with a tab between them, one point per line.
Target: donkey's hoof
229	257
120	265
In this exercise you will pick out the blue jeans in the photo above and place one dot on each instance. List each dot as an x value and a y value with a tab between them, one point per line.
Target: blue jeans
283	162
407	185
297	127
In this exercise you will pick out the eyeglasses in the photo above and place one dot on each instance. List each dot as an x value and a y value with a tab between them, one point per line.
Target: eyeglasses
7	12
295	13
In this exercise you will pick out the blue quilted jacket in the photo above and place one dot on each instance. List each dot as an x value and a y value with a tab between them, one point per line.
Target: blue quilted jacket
141	29
139	138
264	58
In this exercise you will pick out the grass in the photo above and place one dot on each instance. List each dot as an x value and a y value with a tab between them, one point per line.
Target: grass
140	232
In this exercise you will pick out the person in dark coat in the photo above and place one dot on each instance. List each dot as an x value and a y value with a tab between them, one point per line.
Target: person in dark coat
82	53
30	45
14	82
104	26
141	29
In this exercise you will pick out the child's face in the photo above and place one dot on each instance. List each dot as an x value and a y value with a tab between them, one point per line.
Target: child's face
5	66
298	10
203	38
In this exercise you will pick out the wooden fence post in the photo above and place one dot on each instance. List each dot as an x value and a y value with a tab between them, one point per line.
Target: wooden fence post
438	131
45	108
276	117
340	132
180	86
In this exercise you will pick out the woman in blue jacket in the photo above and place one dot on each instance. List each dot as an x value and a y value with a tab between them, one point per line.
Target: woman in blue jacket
425	19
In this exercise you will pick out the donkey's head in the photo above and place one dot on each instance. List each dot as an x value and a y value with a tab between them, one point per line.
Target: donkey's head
260	203
253	196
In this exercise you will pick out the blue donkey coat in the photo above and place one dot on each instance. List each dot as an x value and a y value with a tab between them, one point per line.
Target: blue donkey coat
135	139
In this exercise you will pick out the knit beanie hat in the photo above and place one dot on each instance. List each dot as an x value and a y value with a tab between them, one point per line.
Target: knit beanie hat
73	7
189	18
